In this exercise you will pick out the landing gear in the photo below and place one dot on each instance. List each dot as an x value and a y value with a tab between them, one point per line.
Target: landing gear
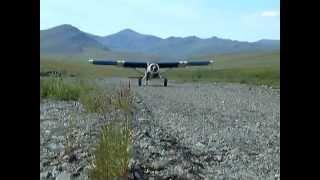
140	81
165	82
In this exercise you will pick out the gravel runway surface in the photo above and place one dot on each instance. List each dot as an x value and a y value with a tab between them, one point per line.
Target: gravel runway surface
224	131
183	131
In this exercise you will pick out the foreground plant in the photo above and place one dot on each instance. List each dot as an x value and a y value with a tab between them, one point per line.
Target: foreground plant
113	152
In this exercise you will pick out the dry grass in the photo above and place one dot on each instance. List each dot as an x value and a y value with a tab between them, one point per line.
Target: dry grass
113	151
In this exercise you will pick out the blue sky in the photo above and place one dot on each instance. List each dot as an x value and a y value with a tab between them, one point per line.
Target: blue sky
245	20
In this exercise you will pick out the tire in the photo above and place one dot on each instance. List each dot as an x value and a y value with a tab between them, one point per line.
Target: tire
140	81
165	82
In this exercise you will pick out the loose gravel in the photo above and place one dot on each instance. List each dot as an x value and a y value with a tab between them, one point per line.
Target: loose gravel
183	131
68	137
209	131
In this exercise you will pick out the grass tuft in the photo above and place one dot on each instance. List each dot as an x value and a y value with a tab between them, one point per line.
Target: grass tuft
96	101
112	153
59	89
113	150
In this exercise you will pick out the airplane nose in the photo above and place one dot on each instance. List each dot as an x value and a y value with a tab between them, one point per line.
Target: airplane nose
153	68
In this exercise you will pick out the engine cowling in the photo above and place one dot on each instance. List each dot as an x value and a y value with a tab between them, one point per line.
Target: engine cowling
153	68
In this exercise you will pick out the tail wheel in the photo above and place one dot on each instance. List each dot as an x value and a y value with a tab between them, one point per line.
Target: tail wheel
140	81
165	82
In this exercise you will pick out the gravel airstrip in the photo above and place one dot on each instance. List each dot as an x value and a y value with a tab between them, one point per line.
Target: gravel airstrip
183	131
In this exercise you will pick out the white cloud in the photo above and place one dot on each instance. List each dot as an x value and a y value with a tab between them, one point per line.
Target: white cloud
270	13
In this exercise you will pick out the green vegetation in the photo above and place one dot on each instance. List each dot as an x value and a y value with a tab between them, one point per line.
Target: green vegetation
257	76
82	69
96	101
252	68
99	101
59	89
113	152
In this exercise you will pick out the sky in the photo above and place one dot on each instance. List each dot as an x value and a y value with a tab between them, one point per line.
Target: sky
243	20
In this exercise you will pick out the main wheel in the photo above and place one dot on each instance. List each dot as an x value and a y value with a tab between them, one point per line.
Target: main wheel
165	82
140	81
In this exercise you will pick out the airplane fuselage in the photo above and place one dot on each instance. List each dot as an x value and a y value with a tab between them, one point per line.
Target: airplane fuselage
152	71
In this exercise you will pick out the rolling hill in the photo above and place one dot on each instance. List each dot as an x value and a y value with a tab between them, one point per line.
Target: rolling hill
131	41
66	39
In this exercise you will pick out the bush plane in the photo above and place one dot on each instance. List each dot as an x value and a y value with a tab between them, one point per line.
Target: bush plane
151	69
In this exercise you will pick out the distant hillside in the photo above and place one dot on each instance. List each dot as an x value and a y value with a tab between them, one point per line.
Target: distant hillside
66	39
129	40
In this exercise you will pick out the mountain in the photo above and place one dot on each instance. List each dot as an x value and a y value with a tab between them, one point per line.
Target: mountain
68	39
129	40
182	47
269	43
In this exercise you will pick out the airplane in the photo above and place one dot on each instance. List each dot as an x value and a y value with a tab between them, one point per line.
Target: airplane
151	69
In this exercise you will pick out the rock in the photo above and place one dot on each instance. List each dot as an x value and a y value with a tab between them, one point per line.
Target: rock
179	171
80	169
131	163
65	157
200	145
138	173
55	147
64	176
159	165
59	168
76	174
218	158
46	163
64	165
73	158
45	175
141	119
54	162
83	155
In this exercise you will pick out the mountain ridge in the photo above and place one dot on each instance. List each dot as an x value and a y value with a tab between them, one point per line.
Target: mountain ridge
69	39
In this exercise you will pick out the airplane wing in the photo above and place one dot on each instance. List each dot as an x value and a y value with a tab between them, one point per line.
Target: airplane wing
137	64
119	63
183	64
